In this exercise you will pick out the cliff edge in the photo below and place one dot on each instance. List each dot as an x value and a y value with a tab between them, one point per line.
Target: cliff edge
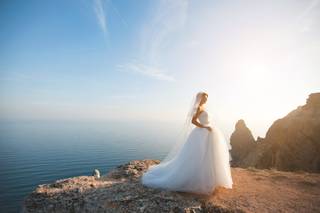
120	190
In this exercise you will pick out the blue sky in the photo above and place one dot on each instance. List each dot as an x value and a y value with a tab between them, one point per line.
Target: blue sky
145	59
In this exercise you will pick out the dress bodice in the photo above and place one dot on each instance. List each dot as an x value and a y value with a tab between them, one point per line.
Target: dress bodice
204	118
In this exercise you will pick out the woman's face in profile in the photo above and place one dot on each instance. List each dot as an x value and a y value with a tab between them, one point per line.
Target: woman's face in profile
204	98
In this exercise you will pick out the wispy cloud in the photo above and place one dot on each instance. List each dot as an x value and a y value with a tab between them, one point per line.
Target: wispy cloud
145	70
166	18
192	44
98	6
309	8
122	19
123	97
304	18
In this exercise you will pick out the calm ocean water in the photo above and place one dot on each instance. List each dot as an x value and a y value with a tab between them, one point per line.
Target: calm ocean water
38	152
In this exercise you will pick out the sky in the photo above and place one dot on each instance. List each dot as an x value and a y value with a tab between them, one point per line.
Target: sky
145	60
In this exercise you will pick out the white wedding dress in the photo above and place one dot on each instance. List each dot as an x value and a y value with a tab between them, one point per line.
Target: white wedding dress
202	164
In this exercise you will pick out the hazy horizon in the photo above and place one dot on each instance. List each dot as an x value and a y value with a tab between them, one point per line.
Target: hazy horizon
144	60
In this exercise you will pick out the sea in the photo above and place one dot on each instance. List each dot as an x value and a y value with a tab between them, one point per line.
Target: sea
39	152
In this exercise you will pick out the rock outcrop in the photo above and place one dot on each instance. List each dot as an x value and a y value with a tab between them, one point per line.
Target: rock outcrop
291	143
121	191
242	143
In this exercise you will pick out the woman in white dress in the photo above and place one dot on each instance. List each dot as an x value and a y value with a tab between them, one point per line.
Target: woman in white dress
198	163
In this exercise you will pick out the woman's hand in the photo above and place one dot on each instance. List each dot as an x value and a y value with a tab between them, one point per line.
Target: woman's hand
209	128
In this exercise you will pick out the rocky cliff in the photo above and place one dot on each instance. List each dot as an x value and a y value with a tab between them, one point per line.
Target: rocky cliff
291	143
242	143
121	191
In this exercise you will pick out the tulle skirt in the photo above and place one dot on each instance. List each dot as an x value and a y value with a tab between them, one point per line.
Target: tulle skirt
200	166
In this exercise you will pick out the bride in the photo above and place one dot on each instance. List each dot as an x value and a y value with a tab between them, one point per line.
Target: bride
199	162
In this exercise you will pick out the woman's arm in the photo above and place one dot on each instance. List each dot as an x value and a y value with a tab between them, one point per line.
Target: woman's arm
195	122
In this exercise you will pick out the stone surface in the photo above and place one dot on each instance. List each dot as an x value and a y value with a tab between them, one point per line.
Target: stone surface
292	143
121	191
242	143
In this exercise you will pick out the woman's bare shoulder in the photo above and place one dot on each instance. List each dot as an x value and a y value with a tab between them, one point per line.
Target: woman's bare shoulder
201	108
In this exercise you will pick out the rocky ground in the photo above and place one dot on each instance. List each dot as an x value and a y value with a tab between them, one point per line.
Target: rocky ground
120	191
